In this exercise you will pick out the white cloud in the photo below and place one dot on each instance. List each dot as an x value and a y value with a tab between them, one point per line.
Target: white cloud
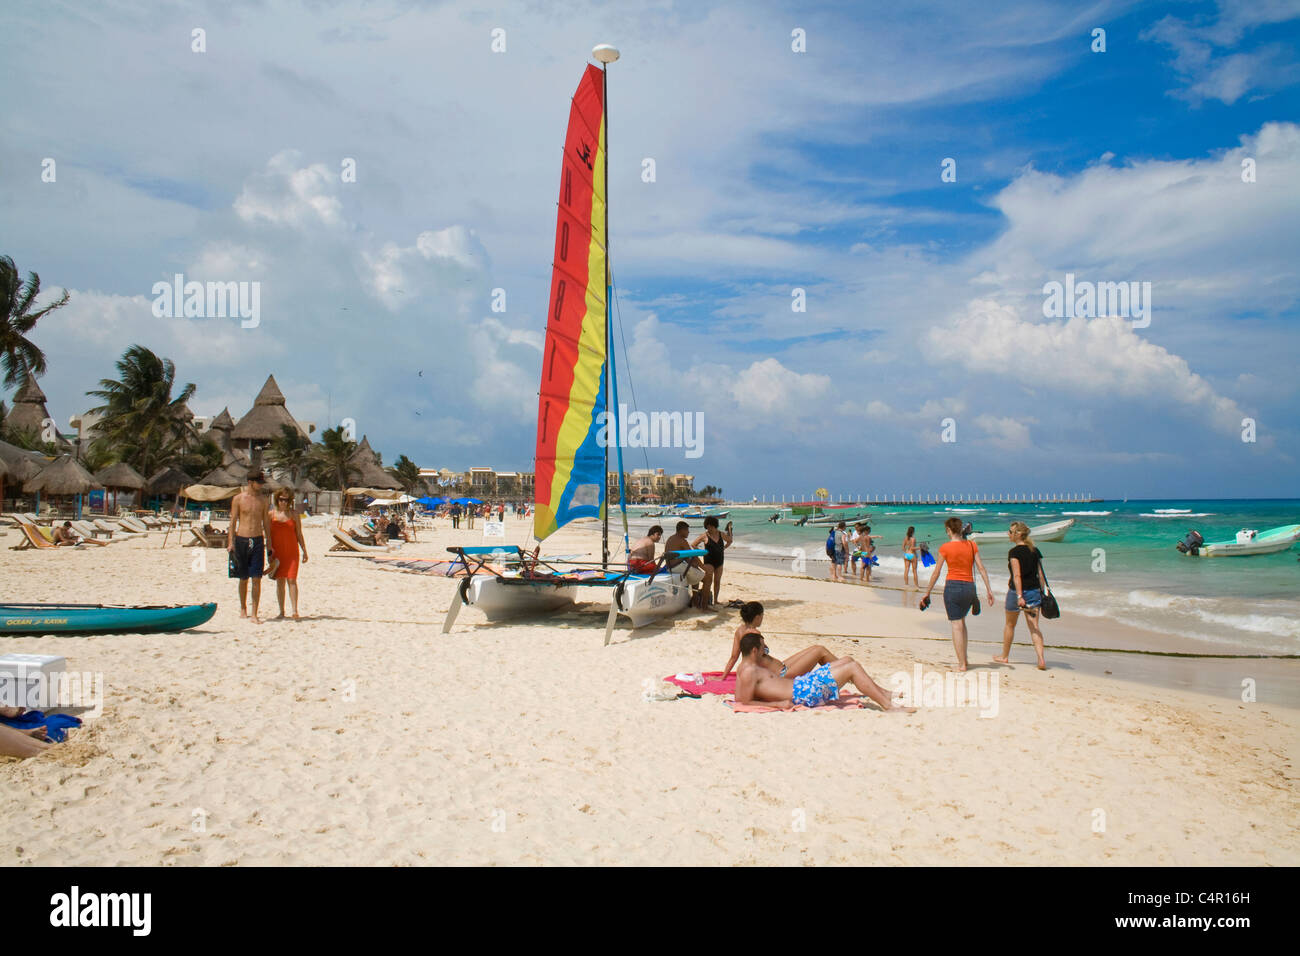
1010	434
1102	356
402	275
288	194
769	387
1207	71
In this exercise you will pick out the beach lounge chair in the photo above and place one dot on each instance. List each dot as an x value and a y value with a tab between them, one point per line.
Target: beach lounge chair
134	524
115	530
89	533
207	539
345	542
36	537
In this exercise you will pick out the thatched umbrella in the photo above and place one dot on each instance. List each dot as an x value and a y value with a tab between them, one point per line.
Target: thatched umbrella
223	477
63	476
22	465
119	477
305	486
169	481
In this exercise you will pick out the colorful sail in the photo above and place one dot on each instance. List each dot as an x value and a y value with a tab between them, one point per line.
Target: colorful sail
570	462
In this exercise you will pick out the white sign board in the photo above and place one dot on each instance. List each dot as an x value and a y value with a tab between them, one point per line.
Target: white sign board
205	517
494	529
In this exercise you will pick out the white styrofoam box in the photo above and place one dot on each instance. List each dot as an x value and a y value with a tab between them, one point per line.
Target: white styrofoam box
31	680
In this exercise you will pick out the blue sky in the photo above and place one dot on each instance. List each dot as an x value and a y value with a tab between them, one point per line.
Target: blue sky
775	170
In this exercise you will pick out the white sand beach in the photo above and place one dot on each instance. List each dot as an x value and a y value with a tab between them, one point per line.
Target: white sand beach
361	735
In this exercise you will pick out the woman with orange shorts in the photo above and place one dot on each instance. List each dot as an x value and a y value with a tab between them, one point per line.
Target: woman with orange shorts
286	540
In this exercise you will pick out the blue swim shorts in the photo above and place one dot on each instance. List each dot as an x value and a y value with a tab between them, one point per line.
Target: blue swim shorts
816	687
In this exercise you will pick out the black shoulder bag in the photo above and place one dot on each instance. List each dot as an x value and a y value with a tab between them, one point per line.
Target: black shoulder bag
1051	610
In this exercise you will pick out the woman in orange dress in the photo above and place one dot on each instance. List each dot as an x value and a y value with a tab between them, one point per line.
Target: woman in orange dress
286	540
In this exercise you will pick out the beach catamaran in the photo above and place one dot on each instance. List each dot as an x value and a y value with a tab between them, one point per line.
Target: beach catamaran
578	385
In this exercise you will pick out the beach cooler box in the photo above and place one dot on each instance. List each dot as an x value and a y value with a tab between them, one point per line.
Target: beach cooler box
31	680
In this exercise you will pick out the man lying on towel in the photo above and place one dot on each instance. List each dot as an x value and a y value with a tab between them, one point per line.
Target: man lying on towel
755	684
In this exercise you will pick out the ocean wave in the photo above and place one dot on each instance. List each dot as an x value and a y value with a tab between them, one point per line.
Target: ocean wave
1173	511
1087	512
1222	620
1178	514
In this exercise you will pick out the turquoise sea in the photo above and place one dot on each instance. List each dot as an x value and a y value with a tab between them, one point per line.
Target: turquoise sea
1244	605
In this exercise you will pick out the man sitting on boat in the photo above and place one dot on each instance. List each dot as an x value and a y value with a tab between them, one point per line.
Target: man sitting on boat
755	684
641	558
679	542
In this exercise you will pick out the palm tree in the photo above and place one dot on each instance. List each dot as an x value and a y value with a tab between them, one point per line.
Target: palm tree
19	356
140	419
406	472
332	456
202	457
290	452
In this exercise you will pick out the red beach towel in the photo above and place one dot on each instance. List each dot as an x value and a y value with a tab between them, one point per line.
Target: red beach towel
713	683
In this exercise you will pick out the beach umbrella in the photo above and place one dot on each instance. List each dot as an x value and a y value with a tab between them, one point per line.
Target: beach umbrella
168	481
222	477
63	476
117	477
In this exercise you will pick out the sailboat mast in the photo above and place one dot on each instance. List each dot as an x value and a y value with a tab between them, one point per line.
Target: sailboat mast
606	54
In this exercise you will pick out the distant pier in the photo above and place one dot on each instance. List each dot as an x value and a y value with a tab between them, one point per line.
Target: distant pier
949	500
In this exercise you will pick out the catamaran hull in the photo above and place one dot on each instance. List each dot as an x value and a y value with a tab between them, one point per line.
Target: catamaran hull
644	601
499	600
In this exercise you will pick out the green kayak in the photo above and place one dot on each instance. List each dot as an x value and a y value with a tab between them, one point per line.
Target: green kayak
101	618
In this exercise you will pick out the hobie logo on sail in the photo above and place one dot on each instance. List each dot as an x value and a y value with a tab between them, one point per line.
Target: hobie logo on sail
653	430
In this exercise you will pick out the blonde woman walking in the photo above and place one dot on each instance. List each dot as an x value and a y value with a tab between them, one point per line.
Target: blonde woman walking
1025	592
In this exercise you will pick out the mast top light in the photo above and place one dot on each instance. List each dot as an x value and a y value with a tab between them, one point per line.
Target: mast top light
605	53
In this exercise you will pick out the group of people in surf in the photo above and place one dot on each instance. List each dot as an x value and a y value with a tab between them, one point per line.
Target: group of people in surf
703	572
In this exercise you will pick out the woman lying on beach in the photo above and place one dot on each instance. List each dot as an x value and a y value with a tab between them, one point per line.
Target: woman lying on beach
21	743
751	619
959	596
1026	589
756	684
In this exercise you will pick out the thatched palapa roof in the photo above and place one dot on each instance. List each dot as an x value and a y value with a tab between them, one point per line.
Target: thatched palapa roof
366	470
169	481
222	477
29	411
120	475
64	476
267	416
21	464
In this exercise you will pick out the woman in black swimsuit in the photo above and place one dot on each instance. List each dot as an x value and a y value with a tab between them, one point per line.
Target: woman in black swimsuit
715	542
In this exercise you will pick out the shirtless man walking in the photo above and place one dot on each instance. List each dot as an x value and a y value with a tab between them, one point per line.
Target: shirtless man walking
246	540
755	684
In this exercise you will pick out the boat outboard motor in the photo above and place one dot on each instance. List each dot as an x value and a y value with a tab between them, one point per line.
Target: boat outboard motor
1191	544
